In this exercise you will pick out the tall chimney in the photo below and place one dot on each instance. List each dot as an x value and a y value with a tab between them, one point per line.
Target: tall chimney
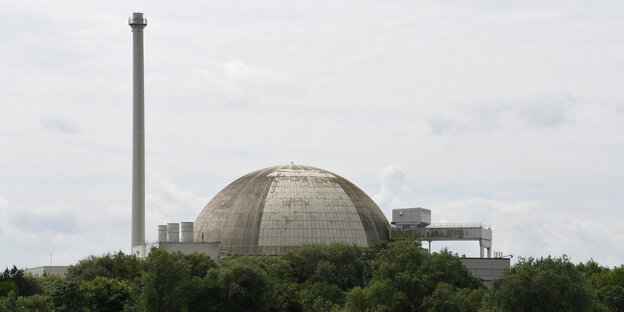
137	23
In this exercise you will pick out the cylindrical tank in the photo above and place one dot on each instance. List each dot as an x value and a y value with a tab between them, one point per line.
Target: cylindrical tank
173	232
187	232
162	233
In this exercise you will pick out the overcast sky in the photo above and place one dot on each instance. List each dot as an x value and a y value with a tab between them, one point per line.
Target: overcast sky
509	113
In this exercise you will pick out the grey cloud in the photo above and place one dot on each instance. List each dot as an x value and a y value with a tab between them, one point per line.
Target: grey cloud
541	111
546	111
442	125
168	202
69	234
59	124
42	219
526	228
480	119
393	189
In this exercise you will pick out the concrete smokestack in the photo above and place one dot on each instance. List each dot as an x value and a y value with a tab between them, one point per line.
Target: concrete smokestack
137	23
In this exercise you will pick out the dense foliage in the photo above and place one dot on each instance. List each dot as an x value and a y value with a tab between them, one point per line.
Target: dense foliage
397	276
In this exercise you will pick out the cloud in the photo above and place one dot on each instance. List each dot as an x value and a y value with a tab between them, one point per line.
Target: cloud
393	190
546	111
59	124
72	231
242	84
620	107
539	111
61	230
532	228
167	202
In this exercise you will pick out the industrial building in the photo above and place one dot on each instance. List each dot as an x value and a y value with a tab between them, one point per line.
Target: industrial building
47	270
276	209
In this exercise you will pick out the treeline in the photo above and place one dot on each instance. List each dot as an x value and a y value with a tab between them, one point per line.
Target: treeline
397	276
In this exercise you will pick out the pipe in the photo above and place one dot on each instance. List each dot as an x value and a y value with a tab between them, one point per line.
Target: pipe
173	232
186	228
162	233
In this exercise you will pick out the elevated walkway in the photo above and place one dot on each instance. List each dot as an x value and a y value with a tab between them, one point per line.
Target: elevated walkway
447	232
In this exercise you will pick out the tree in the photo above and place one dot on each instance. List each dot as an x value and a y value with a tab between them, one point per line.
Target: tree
105	294
338	263
202	295
320	295
400	266
378	296
612	297
67	296
14	303
590	268
244	287
403	276
284	290
609	283
49	283
199	264
446	267
16	280
284	296
443	299
6	287
447	297
119	266
162	281
545	284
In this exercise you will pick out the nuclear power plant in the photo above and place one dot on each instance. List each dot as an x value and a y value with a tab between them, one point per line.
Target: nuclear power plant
276	209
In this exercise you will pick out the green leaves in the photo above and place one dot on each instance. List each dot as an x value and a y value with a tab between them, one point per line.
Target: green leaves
338	263
162	281
545	284
244	287
394	276
105	293
118	265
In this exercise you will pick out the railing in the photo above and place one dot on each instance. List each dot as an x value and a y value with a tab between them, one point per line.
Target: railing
458	225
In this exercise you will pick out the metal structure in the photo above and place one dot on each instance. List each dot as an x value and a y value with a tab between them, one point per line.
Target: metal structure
137	23
414	224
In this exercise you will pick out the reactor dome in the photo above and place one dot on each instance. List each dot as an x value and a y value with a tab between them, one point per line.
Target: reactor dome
276	209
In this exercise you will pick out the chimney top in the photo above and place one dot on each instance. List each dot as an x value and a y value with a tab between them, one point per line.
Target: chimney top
137	20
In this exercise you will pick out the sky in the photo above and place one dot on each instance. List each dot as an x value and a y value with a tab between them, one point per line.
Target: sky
507	113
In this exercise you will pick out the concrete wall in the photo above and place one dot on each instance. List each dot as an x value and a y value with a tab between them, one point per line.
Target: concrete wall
486	269
211	249
48	269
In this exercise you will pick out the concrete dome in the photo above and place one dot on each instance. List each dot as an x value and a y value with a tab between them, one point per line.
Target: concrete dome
276	209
